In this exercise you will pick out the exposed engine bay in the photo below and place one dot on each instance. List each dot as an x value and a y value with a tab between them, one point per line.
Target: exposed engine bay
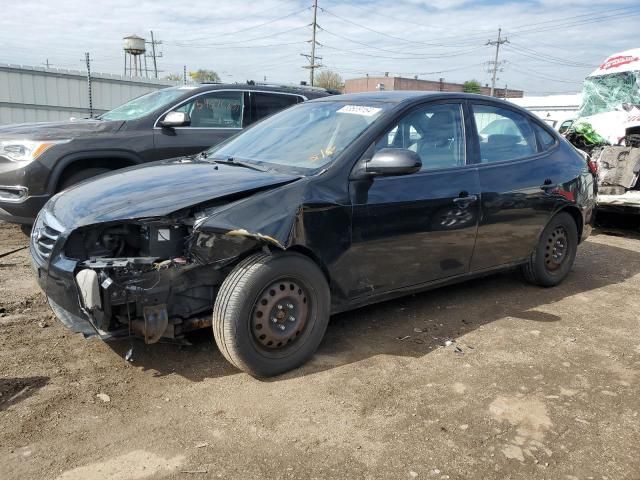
152	278
618	174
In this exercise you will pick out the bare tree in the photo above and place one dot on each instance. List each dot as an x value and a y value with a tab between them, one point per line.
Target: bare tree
174	77
329	80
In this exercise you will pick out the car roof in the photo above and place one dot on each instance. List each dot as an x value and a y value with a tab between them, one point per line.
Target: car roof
401	96
308	92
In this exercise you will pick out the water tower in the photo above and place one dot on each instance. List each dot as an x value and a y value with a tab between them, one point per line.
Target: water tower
134	49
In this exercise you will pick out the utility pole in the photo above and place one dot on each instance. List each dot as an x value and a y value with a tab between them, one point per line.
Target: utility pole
184	75
312	58
154	55
495	65
88	60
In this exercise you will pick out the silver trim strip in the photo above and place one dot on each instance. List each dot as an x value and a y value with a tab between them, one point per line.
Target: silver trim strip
155	124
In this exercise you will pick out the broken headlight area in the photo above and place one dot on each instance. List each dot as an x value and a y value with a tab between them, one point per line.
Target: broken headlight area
154	280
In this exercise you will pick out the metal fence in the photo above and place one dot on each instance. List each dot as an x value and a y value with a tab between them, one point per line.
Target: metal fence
32	94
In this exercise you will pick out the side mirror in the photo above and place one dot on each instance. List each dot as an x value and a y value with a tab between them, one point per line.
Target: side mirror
393	161
176	119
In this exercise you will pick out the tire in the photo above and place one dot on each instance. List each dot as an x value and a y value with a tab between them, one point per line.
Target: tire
551	261
26	230
81	175
260	288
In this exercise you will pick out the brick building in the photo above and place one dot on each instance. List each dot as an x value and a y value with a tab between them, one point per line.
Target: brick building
373	84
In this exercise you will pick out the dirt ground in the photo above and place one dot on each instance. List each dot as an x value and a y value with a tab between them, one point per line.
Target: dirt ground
537	383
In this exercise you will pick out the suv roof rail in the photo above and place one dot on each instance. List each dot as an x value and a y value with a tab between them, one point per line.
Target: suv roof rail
285	85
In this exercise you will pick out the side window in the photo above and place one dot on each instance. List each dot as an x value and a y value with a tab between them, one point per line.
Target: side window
269	103
545	139
435	132
503	134
215	110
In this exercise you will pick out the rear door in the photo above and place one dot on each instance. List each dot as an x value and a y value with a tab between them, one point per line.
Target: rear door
518	177
215	116
412	229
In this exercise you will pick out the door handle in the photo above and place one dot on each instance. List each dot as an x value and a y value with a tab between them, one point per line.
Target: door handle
548	185
465	201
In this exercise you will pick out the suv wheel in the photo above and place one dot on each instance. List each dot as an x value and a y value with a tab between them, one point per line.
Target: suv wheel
271	313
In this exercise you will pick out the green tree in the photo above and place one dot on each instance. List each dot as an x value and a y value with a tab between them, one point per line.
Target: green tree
471	86
329	80
202	76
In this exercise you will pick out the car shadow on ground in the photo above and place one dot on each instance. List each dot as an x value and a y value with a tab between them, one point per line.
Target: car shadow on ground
411	326
15	390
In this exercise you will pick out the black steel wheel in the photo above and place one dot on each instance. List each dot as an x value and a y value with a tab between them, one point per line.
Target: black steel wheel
271	313
280	314
555	253
555	250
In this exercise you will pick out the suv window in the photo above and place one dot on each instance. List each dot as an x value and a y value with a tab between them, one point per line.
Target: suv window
434	132
503	134
270	103
215	110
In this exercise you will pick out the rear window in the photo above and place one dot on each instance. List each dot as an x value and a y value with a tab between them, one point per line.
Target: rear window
269	103
545	139
503	134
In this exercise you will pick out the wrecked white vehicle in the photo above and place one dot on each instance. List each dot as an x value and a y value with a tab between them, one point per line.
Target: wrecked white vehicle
608	127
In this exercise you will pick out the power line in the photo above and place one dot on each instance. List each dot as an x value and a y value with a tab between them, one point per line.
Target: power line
261	37
524	53
274	20
544	77
412	55
552	58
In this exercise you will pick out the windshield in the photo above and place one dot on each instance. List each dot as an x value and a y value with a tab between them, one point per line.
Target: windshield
608	93
305	137
141	106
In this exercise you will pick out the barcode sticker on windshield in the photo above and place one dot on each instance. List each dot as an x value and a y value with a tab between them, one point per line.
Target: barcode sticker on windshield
359	110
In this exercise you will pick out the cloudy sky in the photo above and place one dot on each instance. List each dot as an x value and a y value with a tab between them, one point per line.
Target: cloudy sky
553	43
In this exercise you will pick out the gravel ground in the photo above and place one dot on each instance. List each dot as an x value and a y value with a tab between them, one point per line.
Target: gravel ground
535	383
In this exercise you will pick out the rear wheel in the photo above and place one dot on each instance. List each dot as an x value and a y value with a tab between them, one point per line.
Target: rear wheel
271	313
553	258
82	175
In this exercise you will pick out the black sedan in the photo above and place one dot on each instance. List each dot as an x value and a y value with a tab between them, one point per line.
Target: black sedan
330	205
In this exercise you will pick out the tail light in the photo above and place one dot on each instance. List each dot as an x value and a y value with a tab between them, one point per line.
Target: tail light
593	167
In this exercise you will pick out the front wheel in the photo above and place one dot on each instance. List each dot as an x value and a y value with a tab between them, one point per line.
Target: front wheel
271	313
555	253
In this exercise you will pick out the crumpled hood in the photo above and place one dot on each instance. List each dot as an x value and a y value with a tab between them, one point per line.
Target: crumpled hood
155	189
57	130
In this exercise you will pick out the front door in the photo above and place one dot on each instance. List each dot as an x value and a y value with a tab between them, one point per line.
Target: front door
412	229
215	116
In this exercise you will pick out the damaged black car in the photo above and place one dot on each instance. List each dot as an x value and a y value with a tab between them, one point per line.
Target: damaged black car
327	206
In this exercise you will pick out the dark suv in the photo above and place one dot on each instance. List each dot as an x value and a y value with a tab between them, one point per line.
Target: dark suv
38	160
